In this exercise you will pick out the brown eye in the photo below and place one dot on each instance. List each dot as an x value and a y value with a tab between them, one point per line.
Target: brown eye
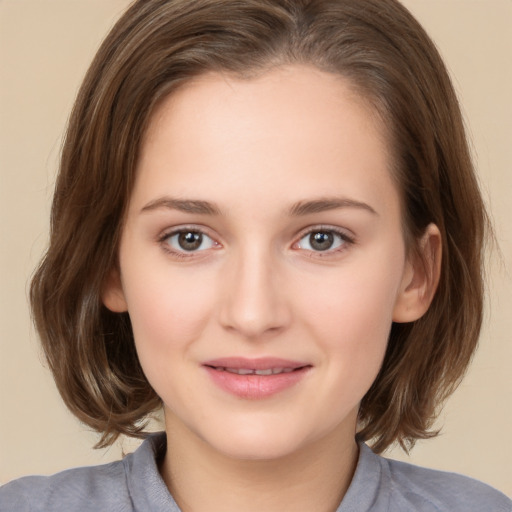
323	240
190	240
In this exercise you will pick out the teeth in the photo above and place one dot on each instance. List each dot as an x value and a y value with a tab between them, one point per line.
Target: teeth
240	371
263	372
249	371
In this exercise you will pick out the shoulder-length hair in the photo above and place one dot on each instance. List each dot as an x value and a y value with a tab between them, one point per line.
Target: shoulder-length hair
159	45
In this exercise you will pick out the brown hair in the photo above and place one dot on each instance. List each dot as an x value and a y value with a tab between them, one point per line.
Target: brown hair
159	45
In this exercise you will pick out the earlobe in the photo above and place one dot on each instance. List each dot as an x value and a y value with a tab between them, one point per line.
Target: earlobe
113	294
421	277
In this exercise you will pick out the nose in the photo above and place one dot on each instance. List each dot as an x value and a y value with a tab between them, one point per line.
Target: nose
254	302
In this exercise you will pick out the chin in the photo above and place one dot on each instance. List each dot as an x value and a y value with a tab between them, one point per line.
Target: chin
257	449
259	442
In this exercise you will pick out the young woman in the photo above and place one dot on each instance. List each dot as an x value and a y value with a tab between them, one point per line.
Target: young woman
266	223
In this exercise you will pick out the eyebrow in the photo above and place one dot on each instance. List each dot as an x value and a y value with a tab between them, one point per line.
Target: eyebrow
183	205
300	208
326	204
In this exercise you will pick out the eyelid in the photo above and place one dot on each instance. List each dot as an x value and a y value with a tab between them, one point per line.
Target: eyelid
343	233
167	232
175	230
346	235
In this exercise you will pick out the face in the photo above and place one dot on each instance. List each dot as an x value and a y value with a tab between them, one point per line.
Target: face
262	260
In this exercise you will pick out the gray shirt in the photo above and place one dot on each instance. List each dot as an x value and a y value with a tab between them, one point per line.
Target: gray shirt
134	485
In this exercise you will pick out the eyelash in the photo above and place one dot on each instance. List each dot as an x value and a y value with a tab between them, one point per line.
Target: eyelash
344	241
183	254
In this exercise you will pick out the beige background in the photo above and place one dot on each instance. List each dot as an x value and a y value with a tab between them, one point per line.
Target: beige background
45	47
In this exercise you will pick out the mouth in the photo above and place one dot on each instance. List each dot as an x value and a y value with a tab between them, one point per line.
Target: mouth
256	378
257	366
252	371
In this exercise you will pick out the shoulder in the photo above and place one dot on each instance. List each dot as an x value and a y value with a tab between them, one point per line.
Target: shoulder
133	483
81	489
384	485
425	489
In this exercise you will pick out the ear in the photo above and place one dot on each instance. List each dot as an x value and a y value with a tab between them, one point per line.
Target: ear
113	294
421	277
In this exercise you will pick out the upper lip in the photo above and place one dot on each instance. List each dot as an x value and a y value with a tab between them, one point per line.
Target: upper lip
261	363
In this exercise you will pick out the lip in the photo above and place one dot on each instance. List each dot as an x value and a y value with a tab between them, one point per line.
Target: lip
251	386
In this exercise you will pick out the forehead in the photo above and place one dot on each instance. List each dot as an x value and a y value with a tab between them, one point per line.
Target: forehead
294	97
289	129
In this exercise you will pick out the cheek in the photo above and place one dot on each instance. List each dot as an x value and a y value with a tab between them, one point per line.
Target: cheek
168	313
168	317
351	314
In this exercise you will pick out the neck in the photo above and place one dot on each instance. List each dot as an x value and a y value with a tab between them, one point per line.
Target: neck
315	477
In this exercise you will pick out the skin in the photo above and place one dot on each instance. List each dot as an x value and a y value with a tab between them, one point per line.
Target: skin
274	166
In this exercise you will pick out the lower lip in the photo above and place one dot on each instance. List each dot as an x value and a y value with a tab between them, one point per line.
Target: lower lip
255	387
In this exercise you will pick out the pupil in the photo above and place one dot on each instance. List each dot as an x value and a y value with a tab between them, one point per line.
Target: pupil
321	241
190	240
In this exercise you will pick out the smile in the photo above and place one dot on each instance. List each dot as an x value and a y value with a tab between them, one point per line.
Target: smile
255	379
249	371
